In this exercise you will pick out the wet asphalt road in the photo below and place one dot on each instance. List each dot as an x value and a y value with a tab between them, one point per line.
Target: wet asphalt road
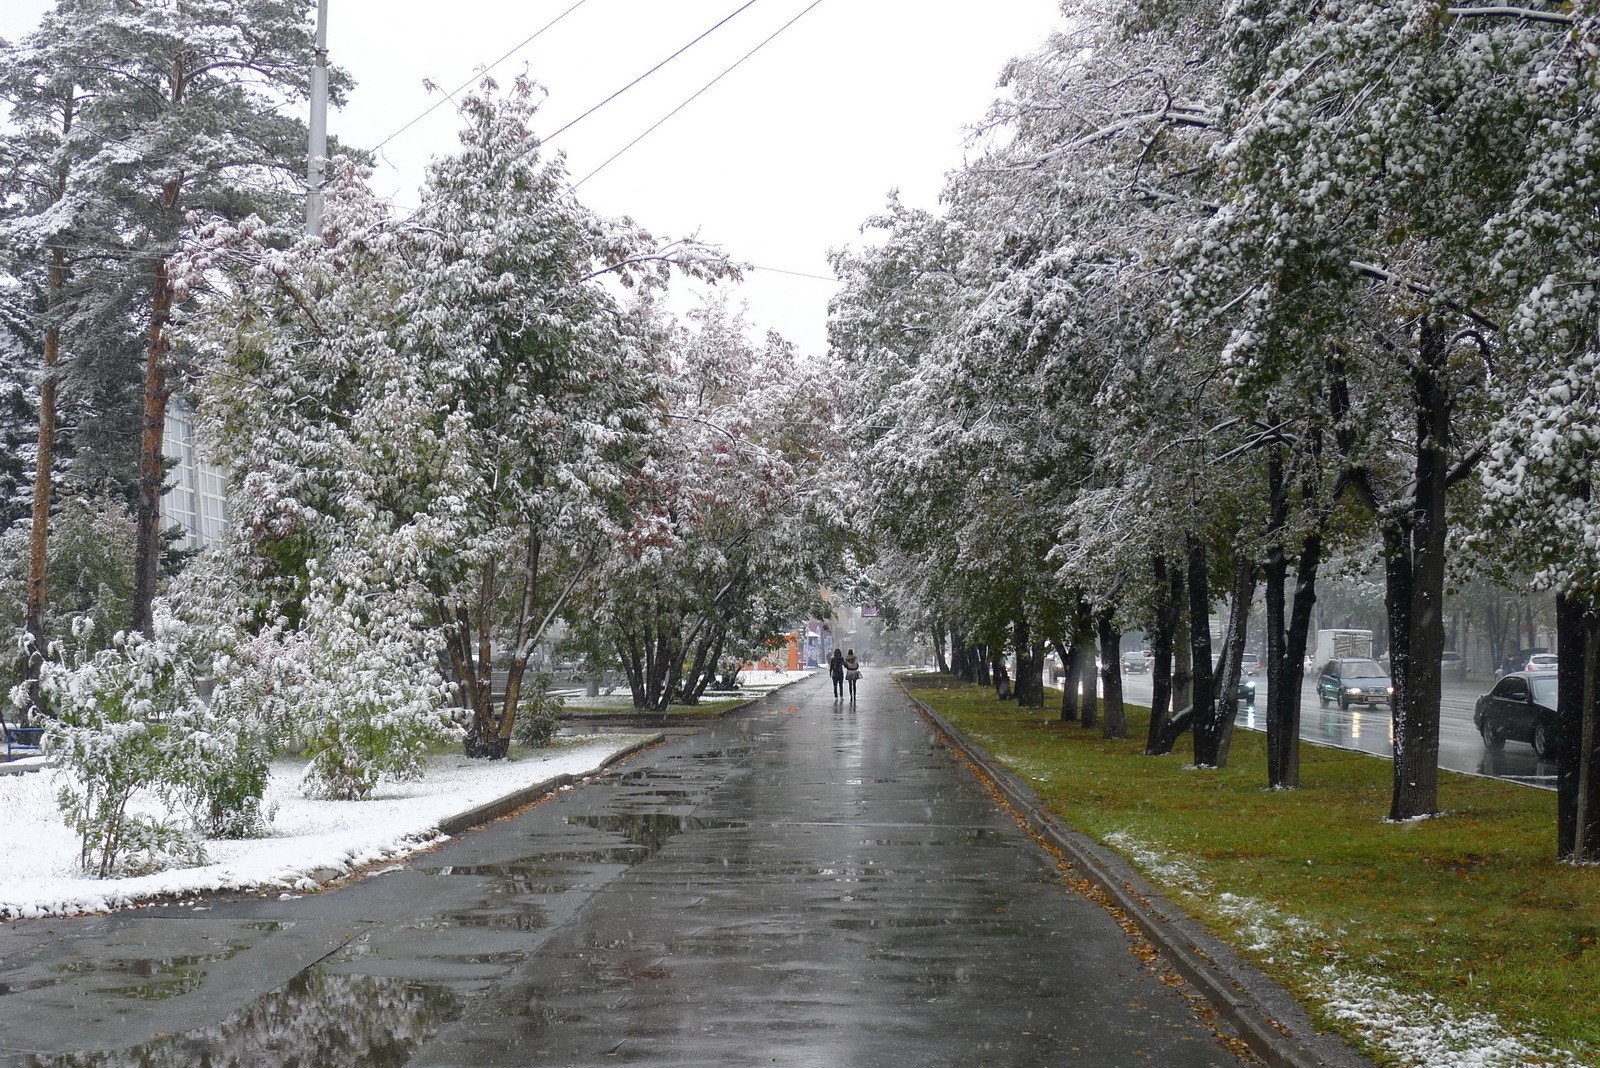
1371	730
806	884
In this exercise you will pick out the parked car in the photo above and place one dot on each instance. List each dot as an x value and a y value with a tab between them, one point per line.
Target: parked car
1522	707
1451	666
1545	663
1519	660
1354	681
1249	664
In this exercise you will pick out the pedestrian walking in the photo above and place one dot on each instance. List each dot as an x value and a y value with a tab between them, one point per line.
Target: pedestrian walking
852	672
836	669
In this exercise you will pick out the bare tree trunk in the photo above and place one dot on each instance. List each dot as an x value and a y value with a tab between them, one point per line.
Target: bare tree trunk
43	491
1232	663
1416	610
1029	685
44	457
1279	671
1206	735
961	654
1167	581
979	656
1071	676
152	461
1182	657
939	660
1089	700
1116	718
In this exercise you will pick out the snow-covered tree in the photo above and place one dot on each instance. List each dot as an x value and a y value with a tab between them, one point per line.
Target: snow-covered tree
466	399
735	509
134	113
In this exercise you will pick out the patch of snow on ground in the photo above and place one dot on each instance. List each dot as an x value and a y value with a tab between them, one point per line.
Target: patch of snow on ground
1418	1031
1173	872
310	841
1422	1032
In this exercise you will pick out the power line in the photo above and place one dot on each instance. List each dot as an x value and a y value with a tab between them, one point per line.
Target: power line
797	274
451	95
702	89
652	70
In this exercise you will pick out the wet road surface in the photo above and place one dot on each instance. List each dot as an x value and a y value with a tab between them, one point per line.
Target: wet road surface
807	884
1371	730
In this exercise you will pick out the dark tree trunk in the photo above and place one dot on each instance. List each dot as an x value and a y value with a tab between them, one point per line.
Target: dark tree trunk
43	489
1182	654
1578	731
1116	719
939	660
1280	674
1227	701
1089	678
979	656
1069	680
961	655
1030	665
1286	746
152	460
1168	581
1416	592
1207	733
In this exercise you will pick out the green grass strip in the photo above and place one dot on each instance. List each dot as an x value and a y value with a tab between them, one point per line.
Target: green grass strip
1458	940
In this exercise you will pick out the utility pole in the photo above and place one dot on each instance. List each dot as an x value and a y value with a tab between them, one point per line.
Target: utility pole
317	152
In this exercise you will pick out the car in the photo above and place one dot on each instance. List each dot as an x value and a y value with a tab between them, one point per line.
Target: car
1452	665
1543	663
1354	681
1521	707
1247	691
1519	660
1135	663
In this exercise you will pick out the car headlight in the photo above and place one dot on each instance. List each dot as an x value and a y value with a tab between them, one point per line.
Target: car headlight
1391	691
1354	690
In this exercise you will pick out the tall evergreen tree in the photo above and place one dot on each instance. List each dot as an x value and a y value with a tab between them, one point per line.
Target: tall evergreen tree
138	113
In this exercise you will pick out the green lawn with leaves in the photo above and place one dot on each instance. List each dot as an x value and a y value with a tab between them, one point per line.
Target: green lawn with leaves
1461	930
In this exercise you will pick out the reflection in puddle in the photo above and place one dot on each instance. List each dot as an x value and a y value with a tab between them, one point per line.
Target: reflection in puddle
162	977
651	830
317	1018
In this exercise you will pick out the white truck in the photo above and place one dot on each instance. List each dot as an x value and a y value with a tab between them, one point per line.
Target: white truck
1338	643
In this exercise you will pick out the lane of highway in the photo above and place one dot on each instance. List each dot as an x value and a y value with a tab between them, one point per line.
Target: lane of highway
1371	730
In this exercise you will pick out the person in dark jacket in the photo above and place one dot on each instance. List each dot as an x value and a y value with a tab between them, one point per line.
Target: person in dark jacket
836	669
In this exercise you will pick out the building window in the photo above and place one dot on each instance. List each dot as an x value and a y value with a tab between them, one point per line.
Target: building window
197	500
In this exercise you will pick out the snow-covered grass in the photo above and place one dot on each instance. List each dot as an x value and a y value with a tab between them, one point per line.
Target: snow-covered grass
310	841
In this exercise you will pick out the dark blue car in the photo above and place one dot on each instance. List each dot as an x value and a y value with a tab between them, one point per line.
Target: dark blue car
1354	681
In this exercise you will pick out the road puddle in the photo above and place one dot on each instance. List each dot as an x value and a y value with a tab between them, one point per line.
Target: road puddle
650	830
152	978
318	1018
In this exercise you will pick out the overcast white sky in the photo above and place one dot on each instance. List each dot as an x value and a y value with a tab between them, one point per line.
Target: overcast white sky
779	162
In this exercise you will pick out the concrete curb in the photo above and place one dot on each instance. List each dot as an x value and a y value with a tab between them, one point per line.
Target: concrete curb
1267	1017
501	806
